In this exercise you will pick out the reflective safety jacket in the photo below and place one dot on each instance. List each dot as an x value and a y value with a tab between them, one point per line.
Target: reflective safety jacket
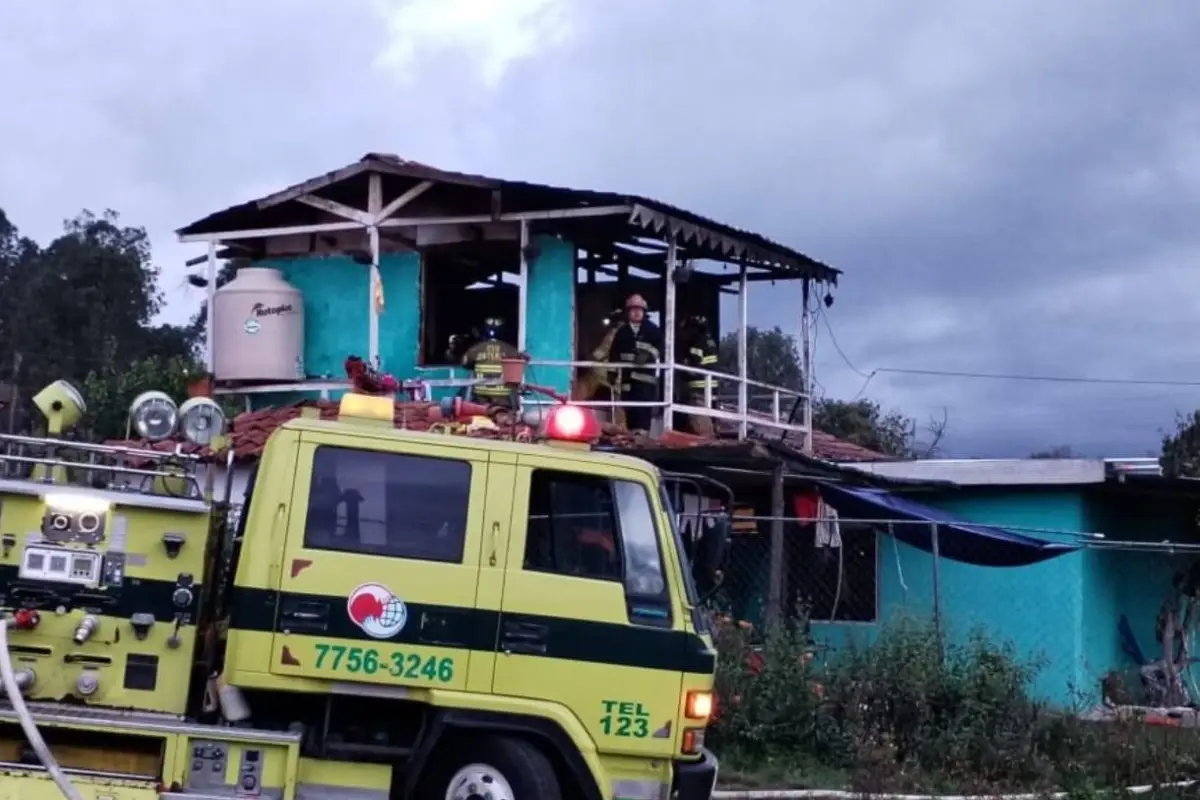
701	351
605	377
484	359
631	348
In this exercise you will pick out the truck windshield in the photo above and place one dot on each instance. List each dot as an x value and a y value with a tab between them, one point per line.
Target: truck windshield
699	615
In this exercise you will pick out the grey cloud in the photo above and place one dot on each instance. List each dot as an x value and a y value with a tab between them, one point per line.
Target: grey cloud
1009	186
977	159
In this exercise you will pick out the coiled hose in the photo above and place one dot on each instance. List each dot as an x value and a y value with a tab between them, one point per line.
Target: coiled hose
8	679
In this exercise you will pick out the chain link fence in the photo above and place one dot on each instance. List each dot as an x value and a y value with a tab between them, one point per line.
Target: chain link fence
1085	613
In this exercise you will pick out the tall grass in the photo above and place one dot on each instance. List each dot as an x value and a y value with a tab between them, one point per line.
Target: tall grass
911	712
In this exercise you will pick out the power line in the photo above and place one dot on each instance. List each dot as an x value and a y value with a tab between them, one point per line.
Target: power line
838	347
1003	376
833	338
945	373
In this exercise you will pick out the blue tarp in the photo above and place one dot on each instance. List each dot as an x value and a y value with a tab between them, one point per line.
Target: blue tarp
958	539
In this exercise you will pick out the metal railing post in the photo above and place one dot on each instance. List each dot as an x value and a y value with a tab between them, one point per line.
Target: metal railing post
668	380
743	350
210	310
775	574
807	366
523	290
935	547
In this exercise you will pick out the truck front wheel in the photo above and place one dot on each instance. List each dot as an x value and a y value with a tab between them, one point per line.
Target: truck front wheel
493	768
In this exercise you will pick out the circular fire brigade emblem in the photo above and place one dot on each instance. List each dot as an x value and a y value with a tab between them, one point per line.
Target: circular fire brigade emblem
379	613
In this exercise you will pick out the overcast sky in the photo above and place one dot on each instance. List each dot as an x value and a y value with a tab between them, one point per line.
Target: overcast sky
1009	186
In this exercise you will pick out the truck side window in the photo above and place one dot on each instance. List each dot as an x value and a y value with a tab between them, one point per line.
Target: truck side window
590	527
572	528
643	561
388	504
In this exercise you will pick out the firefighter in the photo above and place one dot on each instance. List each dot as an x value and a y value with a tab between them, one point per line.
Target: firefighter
637	342
596	383
459	343
699	350
484	358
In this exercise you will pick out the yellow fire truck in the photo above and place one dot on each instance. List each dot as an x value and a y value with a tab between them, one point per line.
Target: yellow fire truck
392	615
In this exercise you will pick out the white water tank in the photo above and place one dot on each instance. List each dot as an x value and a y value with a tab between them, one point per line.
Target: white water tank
258	328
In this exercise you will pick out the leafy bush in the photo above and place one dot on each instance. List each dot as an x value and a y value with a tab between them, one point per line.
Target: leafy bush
911	712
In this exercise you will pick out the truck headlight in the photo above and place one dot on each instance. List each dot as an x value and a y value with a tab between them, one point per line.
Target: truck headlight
154	416
201	420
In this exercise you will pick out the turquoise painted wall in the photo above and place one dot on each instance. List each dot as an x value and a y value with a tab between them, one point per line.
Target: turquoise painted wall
1040	608
1032	511
1108	583
550	312
335	310
336	295
1132	583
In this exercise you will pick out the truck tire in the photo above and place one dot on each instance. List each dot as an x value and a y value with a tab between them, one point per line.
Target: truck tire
498	767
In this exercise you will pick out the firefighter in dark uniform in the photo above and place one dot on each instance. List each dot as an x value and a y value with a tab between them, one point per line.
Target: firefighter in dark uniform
637	342
699	350
484	357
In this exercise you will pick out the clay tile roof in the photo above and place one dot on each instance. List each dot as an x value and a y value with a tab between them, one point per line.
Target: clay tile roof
825	446
831	448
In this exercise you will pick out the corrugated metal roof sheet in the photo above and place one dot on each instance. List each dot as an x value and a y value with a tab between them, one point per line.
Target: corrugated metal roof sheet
685	223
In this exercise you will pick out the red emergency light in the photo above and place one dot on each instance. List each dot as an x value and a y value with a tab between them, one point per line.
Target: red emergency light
568	423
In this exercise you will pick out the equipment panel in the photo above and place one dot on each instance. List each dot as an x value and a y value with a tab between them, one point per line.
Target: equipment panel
218	768
116	585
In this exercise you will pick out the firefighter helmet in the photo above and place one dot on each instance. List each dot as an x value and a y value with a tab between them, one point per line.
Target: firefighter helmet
492	327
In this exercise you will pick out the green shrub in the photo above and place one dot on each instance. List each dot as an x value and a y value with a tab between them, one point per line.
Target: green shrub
911	712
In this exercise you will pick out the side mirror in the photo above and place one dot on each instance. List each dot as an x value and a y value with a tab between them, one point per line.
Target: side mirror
709	553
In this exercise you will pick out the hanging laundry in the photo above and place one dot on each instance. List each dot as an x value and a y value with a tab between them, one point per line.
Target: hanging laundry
829	529
806	506
377	289
698	514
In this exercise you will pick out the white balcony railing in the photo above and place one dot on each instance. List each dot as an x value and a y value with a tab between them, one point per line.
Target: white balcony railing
746	411
725	397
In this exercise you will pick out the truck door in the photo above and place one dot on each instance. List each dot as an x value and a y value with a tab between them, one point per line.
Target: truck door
378	572
587	618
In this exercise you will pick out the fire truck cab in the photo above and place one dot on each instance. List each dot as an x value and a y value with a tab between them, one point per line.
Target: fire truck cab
393	615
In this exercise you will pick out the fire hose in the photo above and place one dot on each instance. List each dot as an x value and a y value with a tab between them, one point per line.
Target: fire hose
8	679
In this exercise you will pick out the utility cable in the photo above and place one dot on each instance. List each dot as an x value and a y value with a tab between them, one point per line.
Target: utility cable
944	373
1004	376
833	338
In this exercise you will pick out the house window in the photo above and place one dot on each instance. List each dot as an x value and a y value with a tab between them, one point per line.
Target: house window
458	293
387	504
590	527
829	583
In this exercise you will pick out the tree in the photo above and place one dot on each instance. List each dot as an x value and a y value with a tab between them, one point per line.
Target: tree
1181	448
16	256
1058	451
225	273
773	357
111	391
864	422
82	305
